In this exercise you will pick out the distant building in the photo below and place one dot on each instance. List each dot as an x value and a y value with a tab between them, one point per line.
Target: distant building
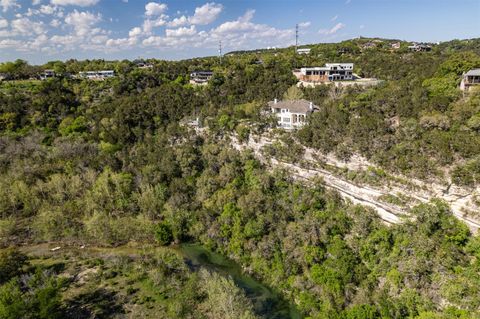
328	73
291	114
419	47
97	75
395	45
304	51
369	45
4	76
142	64
47	74
200	77
471	78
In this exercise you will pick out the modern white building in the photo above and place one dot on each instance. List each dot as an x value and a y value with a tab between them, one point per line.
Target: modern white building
304	51
97	75
292	114
200	77
47	74
328	73
420	47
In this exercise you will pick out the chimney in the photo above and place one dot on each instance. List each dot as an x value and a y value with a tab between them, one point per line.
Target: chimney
275	101
311	106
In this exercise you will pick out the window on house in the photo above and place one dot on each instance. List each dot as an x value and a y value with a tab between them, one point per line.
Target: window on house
286	119
294	118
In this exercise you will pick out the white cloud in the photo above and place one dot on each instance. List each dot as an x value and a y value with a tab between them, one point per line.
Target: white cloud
203	15
10	43
178	22
305	24
47	9
36	2
135	32
333	30
7	4
121	43
149	24
82	22
206	14
3	23
55	23
334	18
243	32
25	26
64	40
362	26
39	42
181	32
155	9
80	3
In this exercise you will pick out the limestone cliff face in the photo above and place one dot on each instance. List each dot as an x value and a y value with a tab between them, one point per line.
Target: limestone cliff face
314	165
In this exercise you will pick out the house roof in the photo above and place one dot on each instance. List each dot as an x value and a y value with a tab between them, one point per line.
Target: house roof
295	106
474	72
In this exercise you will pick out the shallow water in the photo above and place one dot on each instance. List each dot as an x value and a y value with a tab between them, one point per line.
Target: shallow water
266	302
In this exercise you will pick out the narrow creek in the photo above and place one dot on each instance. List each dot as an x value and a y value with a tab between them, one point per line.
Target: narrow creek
267	303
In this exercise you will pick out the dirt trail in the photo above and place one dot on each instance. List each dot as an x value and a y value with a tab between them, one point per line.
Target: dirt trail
461	200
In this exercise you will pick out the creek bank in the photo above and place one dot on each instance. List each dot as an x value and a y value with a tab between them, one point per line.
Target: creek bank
267	303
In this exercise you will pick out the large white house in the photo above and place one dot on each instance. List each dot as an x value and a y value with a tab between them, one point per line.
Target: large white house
328	73
97	75
303	51
200	77
292	114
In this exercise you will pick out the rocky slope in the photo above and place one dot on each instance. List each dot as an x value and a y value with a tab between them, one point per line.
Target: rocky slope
463	202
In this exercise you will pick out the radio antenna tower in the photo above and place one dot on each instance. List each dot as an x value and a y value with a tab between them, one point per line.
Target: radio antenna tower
296	38
220	50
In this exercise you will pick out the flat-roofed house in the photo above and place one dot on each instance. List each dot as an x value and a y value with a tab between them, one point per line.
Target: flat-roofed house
142	64
97	75
471	78
200	77
47	74
328	73
304	51
291	114
420	47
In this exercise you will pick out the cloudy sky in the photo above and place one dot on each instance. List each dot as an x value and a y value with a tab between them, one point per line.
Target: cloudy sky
43	30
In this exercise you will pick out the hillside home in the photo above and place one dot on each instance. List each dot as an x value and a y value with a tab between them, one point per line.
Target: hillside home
395	45
142	64
419	47
47	74
328	73
200	77
97	75
471	78
304	51
4	76
291	114
368	45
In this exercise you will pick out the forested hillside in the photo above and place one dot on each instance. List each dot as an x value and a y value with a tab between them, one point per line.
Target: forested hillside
112	167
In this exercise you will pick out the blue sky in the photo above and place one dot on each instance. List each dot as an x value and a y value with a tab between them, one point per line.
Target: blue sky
43	30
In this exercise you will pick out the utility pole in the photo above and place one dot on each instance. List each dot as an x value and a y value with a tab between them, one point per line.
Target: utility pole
296	38
220	50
